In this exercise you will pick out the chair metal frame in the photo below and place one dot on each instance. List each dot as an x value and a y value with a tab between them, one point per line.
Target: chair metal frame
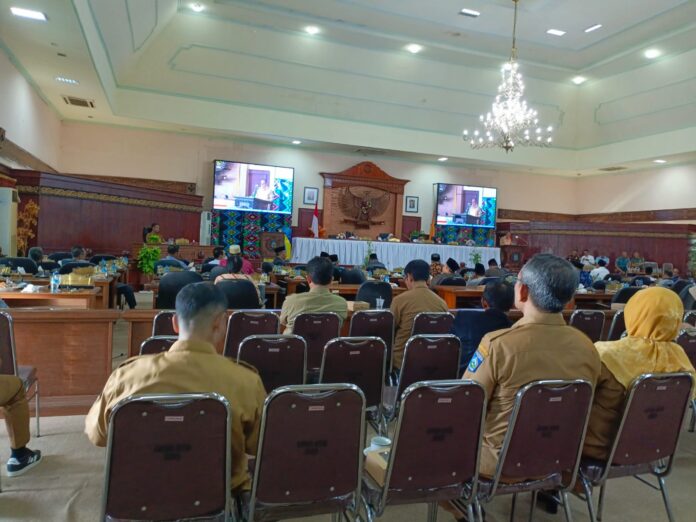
692	358
172	399
614	321
257	311
468	500
660	468
390	344
689	316
316	389
519	396
279	337
157	338
415	318
36	394
579	313
171	313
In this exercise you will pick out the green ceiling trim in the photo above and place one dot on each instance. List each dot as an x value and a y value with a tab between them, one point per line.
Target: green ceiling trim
130	26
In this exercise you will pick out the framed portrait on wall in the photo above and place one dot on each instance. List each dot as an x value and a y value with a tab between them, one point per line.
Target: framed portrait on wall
411	204
311	195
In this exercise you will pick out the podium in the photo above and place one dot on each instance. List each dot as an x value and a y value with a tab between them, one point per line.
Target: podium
513	256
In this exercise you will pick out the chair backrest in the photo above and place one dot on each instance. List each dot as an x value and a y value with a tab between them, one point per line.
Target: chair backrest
679	285
487	280
623	295
652	265
28	265
168	457
244	323
68	268
687	299
157	344
317	329
369	291
667	266
356	360
218	271
599	285
207	267
241	294
352	276
310	450
589	322
429	358
162	323
170	285
652	419
427	323
640	281
98	258
8	359
50	266
690	318
687	340
437	439
546	431
281	360
374	323
453	281
171	263
618	326
59	256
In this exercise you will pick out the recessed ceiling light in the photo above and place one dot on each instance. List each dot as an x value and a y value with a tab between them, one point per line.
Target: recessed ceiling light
70	81
312	29
659	161
593	28
555	32
652	53
470	13
414	48
197	7
296	142
443	158
579	80
28	13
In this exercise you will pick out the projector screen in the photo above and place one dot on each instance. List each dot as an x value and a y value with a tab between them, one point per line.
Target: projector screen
466	206
253	188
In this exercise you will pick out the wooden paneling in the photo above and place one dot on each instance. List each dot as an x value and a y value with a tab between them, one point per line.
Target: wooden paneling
304	222
179	187
641	216
409	224
528	215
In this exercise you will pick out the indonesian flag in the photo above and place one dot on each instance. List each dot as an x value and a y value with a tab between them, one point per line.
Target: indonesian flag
315	220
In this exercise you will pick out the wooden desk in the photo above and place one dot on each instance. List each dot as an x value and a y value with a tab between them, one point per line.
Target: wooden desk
452	294
80	299
106	299
71	350
272	291
352	290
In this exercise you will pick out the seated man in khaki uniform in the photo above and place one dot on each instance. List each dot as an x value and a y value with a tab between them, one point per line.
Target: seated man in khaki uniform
418	298
192	365
319	298
13	405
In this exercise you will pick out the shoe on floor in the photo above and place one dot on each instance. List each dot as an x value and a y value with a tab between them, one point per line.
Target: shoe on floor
17	466
548	501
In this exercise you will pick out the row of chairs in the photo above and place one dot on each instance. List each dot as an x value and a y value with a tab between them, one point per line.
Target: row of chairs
318	433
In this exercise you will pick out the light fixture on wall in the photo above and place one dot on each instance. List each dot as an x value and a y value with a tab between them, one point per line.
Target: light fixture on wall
197	7
510	122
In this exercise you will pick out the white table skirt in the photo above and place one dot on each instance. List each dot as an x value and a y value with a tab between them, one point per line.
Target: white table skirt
393	255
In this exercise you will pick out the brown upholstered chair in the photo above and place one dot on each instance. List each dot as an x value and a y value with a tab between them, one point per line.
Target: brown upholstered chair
317	329
428	323
162	323
309	459
589	322
618	326
168	458
157	344
244	323
435	453
8	364
281	360
646	439
544	440
378	323
690	318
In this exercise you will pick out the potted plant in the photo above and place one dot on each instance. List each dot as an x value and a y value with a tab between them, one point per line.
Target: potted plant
147	257
475	257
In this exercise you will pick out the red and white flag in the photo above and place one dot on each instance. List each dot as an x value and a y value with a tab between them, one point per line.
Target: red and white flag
315	220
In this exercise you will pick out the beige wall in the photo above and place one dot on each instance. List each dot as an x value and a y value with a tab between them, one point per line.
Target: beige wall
29	122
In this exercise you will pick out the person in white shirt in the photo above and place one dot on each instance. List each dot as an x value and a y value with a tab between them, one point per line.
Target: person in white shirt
599	273
587	258
218	255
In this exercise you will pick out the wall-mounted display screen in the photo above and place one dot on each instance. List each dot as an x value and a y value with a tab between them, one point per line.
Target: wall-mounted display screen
466	206
251	187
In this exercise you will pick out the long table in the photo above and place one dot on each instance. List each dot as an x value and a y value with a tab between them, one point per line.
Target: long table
393	255
453	295
82	299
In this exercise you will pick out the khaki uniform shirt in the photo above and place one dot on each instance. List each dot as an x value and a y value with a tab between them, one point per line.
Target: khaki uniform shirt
189	367
607	408
318	299
405	307
506	360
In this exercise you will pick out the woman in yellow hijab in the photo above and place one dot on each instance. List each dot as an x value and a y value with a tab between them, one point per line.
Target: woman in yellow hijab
653	318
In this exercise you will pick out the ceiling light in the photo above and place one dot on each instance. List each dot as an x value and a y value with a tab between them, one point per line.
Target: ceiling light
197	7
593	28
660	161
652	53
70	81
28	13
443	158
470	13
510	120
296	142
312	29
555	32
414	48
579	80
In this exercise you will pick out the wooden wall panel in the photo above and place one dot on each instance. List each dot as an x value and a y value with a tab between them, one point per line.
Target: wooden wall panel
304	222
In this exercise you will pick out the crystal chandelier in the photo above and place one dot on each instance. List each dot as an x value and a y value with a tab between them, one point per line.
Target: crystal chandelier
510	122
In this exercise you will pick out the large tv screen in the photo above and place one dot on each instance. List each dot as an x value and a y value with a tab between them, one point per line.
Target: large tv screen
466	206
251	187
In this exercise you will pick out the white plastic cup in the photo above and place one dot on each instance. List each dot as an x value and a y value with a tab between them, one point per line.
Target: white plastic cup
379	303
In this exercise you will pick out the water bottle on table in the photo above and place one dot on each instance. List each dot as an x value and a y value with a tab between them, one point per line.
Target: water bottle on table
55	283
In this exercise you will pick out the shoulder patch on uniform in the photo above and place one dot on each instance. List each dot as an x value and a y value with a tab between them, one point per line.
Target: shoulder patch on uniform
247	366
475	361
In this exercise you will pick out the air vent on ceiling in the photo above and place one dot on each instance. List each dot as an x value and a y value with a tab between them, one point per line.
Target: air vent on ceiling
78	102
612	169
369	152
